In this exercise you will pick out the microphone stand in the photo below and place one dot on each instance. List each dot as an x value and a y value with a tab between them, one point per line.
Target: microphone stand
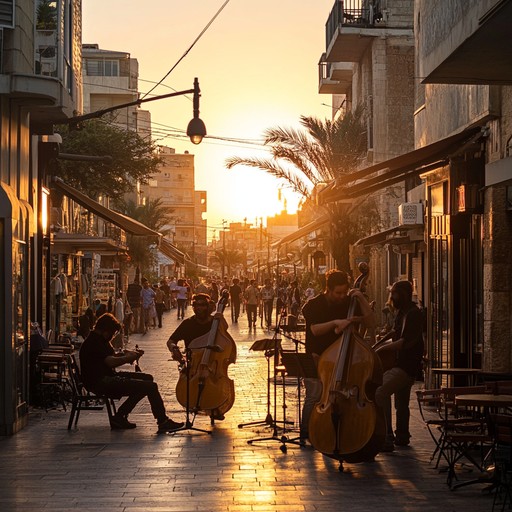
189	424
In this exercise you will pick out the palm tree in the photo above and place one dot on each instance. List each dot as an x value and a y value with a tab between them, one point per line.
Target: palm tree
228	258
155	216
320	153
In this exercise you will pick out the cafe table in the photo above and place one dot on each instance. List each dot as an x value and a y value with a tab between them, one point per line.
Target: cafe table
471	374
485	400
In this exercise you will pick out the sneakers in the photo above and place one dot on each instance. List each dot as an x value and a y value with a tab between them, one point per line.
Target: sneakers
401	442
118	422
169	426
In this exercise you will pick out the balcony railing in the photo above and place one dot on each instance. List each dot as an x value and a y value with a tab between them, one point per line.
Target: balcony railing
351	13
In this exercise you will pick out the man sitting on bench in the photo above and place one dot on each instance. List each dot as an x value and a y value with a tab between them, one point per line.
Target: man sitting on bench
98	360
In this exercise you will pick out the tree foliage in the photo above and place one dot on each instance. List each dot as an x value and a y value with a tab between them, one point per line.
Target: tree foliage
320	153
133	159
227	259
155	216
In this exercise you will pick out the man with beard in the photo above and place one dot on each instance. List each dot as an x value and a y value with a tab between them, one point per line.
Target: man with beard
406	350
326	319
197	325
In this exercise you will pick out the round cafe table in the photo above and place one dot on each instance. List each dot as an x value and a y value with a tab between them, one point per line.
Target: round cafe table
486	400
470	374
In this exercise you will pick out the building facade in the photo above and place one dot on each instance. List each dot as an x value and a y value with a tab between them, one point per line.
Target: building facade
174	185
369	61
463	59
40	85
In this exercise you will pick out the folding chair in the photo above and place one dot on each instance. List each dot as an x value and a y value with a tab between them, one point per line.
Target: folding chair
501	429
429	406
83	399
464	432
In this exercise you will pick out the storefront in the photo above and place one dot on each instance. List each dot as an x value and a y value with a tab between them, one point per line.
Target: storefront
16	232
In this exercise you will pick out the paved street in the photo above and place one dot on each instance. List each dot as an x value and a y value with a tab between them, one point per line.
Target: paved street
47	467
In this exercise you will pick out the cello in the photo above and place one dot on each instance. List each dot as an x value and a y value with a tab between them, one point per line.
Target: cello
210	389
346	424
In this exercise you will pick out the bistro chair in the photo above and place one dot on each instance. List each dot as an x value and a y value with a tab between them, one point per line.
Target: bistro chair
429	406
83	399
501	430
464	434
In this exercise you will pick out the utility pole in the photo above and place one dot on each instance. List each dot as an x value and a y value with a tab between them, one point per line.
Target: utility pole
224	222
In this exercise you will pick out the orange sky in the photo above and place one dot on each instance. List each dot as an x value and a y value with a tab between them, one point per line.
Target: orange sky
257	68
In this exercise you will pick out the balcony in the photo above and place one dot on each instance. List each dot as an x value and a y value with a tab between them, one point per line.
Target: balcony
334	77
352	24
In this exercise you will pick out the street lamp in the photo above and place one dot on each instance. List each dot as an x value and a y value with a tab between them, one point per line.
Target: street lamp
196	129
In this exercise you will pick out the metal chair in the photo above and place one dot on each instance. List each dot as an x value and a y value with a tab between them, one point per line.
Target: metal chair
83	399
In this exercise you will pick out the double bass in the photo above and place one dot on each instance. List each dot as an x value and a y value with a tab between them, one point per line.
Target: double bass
210	389
346	424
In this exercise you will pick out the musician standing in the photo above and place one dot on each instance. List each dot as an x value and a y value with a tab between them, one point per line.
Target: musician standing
326	319
406	346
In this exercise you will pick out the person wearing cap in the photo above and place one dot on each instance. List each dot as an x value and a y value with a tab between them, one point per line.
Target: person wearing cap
406	348
199	324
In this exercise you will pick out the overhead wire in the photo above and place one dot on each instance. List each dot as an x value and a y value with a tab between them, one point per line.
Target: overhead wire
189	48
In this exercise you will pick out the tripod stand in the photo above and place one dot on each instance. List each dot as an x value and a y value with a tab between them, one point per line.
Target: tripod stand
282	371
270	346
302	366
189	424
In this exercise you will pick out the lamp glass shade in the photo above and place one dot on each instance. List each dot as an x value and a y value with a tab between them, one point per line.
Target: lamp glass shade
196	130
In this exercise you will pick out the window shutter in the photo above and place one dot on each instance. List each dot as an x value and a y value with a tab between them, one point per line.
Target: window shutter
7	13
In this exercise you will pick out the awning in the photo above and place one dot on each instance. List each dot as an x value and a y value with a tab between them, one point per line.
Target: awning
70	243
303	231
171	251
403	234
124	222
398	169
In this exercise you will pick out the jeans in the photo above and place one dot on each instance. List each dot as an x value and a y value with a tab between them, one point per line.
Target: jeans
160	307
134	385
235	310
181	307
313	395
268	306
252	310
396	382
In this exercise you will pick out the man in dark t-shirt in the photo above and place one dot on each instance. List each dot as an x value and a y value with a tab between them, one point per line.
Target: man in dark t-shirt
195	326
326	319
406	347
98	361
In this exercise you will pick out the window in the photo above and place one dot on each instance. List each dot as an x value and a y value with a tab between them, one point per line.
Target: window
94	67
7	13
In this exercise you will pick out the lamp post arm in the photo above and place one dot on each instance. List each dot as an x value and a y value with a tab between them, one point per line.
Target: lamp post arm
100	113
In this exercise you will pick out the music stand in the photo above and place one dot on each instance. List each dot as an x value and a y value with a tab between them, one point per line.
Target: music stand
266	345
271	347
302	366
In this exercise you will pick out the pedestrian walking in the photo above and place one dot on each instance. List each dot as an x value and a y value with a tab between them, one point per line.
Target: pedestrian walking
252	298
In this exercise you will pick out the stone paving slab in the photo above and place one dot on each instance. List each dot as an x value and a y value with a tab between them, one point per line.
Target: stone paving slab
47	467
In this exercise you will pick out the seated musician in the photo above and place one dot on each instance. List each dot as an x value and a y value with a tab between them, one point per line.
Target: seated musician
406	350
195	326
326	319
97	363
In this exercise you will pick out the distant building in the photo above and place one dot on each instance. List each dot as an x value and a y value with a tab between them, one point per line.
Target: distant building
174	185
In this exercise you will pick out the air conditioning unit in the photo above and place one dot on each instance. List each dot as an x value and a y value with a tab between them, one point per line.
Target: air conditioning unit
410	213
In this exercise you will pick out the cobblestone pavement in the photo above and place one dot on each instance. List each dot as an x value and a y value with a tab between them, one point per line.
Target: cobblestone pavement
47	467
